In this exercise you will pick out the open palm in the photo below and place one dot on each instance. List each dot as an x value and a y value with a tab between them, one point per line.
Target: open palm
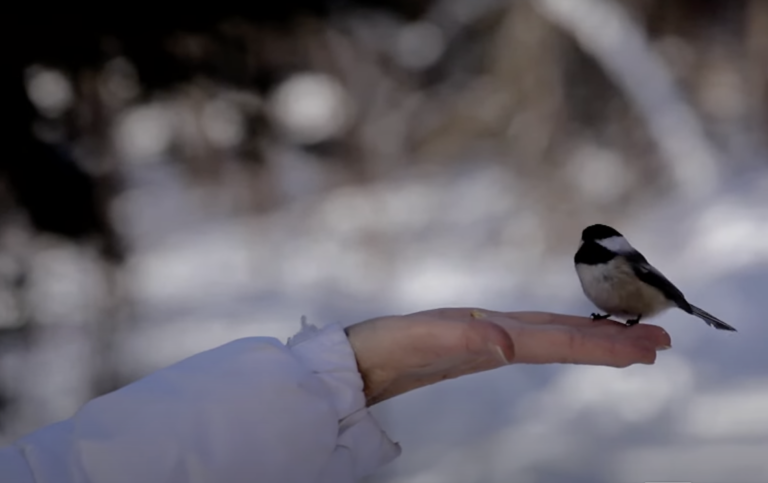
397	354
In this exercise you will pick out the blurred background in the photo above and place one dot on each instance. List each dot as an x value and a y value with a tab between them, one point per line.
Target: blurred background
175	179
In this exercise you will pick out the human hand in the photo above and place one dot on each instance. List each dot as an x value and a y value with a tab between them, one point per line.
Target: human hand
397	354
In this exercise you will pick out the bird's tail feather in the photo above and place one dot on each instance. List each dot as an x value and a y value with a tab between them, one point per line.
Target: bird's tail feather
710	319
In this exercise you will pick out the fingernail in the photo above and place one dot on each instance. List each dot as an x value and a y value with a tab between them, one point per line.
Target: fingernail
477	314
663	347
501	355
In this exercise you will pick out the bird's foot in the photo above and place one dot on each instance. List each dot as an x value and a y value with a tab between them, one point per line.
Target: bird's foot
634	321
596	316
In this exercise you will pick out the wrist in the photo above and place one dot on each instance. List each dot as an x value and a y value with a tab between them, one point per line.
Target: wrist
375	375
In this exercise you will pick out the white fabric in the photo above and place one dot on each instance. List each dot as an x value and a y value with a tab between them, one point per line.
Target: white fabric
253	410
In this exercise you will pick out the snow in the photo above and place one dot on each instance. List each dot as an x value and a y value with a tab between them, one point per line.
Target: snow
423	241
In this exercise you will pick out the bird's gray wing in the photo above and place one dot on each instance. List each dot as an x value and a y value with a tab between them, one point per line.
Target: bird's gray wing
648	274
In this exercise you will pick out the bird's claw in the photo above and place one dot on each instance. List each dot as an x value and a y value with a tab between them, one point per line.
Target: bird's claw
634	321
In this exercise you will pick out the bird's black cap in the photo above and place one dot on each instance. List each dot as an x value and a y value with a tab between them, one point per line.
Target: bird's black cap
598	232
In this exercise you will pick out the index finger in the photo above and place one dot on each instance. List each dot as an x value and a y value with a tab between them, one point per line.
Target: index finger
649	332
469	313
562	319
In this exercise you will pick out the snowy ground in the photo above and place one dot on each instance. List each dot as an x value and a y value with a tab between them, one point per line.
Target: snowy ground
699	415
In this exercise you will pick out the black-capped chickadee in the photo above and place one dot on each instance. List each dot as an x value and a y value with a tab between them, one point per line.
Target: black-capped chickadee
620	281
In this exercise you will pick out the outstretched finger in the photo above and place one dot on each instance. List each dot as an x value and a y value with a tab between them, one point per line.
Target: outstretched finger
560	344
647	332
464	314
470	313
563	319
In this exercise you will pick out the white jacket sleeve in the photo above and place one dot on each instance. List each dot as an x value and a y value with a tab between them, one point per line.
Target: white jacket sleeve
253	410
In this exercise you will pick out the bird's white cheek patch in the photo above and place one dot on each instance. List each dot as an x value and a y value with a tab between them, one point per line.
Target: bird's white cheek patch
617	244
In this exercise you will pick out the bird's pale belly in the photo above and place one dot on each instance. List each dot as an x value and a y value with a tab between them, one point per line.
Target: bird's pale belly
614	289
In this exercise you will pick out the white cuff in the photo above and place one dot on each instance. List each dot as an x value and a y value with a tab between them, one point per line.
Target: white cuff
361	442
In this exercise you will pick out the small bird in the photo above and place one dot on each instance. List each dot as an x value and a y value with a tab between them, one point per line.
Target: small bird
620	281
